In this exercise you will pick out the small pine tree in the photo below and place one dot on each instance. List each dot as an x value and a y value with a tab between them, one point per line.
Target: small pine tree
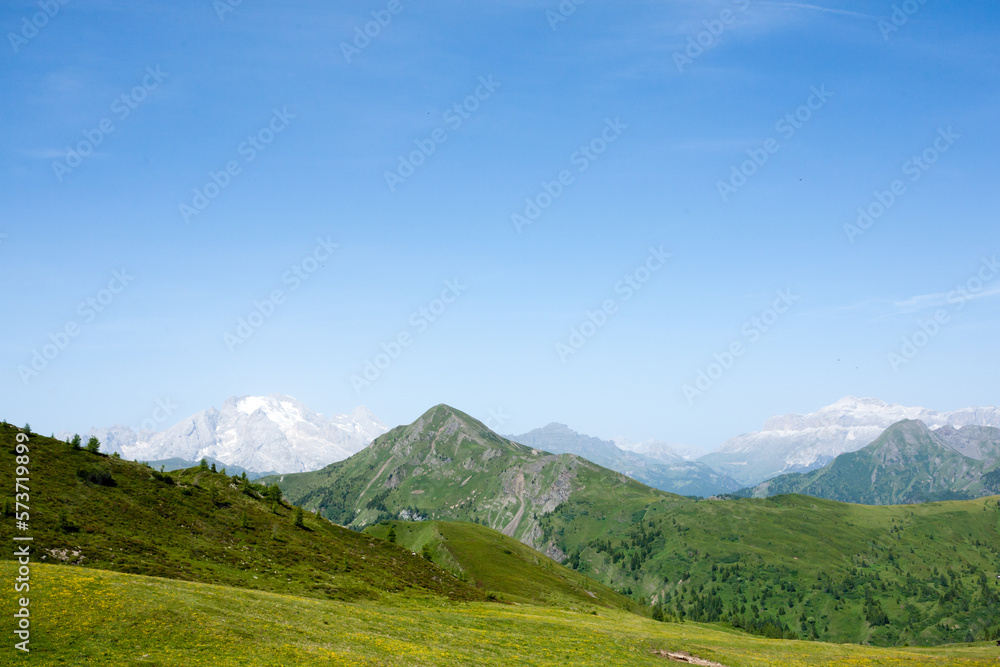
657	613
27	429
425	551
392	535
274	493
75	442
203	464
299	523
223	471
93	445
213	467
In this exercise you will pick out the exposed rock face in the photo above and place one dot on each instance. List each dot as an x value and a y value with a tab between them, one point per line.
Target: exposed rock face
448	466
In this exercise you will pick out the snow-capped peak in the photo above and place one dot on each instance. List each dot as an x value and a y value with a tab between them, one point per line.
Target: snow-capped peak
275	433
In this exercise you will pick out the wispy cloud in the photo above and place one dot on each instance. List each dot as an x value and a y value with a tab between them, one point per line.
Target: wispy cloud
818	8
880	308
923	301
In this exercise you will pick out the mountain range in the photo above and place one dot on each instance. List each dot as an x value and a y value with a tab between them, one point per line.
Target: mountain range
908	463
279	434
447	465
799	443
260	434
786	566
663	470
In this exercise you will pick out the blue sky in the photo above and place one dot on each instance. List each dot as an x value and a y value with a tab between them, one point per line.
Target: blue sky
616	99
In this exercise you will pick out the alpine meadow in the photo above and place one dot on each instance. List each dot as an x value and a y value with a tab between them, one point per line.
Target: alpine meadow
536	333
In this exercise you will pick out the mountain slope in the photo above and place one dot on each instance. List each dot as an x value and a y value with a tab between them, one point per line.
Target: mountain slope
799	443
447	465
107	513
263	434
908	463
121	619
918	574
784	566
689	478
491	561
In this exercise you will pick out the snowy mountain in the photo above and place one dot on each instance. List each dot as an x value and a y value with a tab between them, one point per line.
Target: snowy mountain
273	433
799	443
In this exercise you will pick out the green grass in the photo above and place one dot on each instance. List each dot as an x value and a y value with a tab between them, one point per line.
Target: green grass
95	617
201	526
446	465
809	565
495	563
786	566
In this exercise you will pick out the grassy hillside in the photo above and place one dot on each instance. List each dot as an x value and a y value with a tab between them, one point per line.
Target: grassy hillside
794	565
790	566
491	561
447	465
103	512
94	617
908	463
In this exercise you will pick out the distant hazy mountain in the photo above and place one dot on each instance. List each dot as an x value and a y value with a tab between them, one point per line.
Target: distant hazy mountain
908	463
666	471
799	443
659	450
274	433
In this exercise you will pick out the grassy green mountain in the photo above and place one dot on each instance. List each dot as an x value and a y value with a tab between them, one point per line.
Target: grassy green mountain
103	512
794	565
687	478
94	617
908	463
786	566
447	465
491	561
